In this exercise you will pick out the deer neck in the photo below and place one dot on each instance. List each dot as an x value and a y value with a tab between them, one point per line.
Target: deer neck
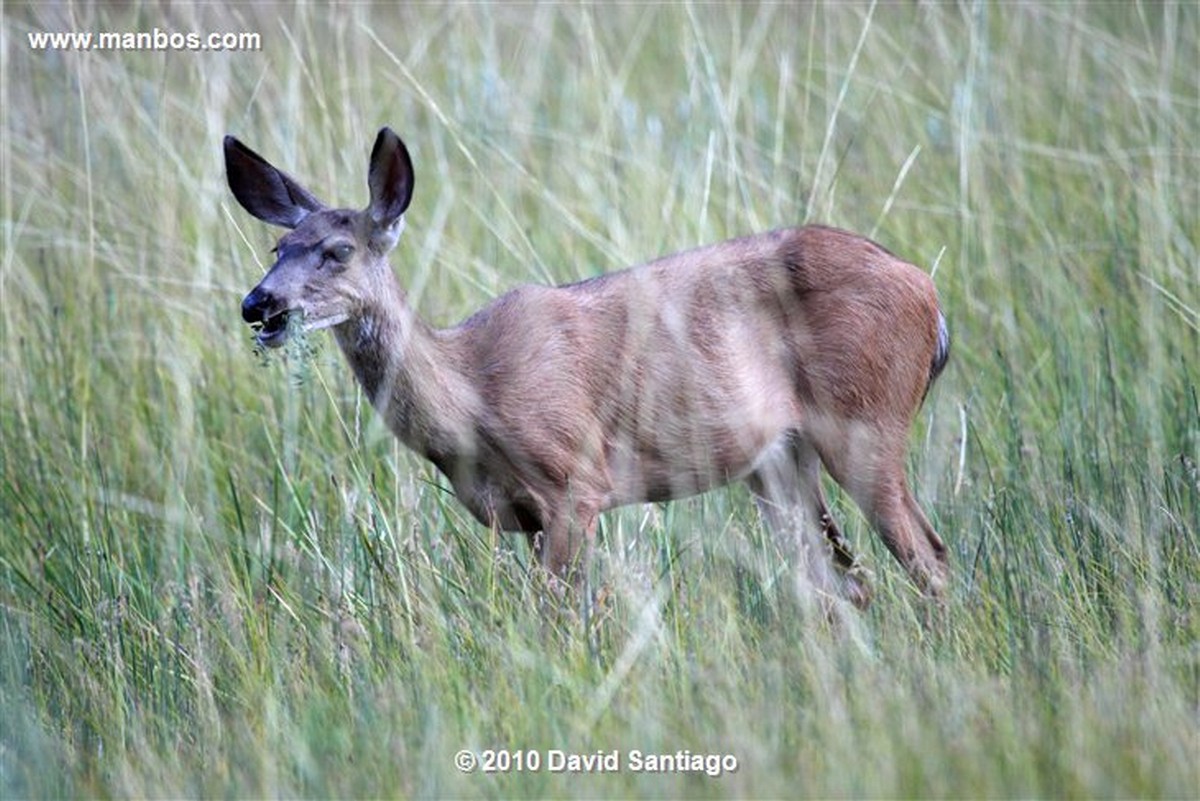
412	373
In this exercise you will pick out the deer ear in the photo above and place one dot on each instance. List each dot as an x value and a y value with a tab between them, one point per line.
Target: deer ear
268	193
390	179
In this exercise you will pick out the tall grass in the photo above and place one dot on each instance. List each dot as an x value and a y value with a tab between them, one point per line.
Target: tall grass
224	577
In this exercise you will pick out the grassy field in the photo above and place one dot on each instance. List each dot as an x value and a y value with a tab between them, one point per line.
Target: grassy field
221	576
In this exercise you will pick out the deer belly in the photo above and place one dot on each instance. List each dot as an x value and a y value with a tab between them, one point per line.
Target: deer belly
494	504
643	472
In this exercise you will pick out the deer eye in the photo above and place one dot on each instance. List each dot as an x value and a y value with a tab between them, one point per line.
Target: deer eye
340	253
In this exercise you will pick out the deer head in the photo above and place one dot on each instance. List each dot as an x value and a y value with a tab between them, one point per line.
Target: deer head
331	260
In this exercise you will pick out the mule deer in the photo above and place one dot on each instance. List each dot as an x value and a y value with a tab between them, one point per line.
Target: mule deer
759	359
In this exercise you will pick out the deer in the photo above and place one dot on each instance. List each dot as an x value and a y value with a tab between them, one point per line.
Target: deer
760	359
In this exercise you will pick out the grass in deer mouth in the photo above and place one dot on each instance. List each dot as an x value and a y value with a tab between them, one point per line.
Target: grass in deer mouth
277	329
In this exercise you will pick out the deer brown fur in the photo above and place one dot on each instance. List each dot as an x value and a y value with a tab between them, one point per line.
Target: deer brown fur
759	359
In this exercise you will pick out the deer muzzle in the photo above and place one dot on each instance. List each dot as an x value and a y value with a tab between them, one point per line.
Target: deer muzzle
268	315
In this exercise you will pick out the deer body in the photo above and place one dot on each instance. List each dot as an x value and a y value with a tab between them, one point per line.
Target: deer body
756	359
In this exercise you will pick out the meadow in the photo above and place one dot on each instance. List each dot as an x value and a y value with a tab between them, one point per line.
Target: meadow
221	576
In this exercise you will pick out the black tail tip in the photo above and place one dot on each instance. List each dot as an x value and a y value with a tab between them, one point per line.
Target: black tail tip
941	353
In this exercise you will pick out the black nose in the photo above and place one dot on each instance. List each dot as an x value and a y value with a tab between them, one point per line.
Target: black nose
256	305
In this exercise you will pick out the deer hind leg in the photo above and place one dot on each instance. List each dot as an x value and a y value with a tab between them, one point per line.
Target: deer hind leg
868	461
787	489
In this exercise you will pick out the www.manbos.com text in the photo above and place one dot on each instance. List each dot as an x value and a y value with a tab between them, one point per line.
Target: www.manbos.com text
152	40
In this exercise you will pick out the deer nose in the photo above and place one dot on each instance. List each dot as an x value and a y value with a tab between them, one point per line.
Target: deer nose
255	306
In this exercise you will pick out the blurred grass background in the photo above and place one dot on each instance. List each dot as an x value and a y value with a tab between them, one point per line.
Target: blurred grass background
222	577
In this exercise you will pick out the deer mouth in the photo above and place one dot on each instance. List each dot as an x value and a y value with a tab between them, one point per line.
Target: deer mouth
274	330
